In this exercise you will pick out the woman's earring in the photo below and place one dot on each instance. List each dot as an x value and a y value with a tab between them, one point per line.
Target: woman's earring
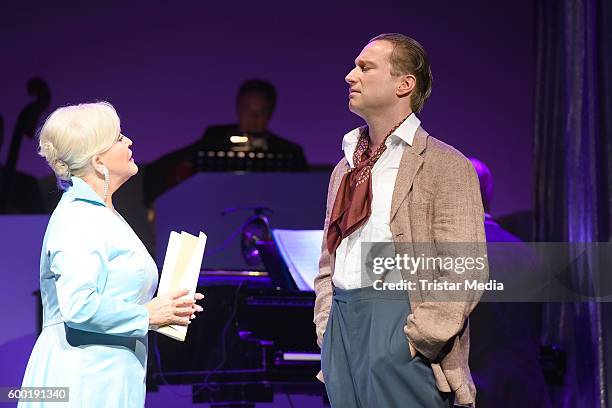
106	182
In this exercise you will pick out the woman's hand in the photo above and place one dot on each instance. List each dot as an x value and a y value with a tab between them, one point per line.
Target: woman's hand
197	308
173	308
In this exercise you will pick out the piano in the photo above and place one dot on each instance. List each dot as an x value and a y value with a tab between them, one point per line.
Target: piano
252	340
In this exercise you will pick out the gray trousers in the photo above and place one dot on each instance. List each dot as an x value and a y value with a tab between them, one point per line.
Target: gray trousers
365	357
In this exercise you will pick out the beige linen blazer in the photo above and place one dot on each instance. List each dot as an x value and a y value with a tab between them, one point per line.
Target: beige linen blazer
436	200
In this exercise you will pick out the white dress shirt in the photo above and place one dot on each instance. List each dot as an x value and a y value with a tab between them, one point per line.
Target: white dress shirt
348	267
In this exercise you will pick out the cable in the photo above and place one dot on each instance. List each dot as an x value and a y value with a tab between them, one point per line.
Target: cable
223	246
290	400
159	373
206	384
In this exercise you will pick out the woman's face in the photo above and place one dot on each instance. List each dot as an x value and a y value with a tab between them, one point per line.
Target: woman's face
119	162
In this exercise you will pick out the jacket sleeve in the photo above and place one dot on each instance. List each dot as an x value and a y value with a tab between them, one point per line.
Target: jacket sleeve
457	231
79	269
323	282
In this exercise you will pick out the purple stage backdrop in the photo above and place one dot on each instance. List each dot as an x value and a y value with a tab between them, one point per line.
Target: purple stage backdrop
173	68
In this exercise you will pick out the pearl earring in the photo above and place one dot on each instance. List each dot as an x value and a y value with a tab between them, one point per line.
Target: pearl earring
106	182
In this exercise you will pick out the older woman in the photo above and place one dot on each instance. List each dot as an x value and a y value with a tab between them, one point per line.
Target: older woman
97	280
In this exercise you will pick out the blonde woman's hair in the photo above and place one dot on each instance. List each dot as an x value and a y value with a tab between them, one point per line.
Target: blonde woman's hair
73	134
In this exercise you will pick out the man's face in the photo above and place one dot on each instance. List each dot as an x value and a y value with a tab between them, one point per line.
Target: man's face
253	112
372	88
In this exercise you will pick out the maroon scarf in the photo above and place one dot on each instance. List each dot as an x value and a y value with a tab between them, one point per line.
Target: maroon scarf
353	205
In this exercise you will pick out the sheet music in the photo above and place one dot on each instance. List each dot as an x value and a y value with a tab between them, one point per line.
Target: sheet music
301	251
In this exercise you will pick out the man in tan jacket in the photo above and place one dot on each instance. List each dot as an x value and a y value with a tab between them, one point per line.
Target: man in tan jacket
397	186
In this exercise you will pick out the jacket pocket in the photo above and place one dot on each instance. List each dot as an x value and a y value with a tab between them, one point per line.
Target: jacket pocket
420	219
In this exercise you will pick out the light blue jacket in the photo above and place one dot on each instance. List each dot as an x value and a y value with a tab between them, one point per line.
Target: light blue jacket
95	278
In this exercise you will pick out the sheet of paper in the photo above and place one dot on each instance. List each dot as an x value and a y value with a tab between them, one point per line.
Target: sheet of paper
301	251
181	271
174	245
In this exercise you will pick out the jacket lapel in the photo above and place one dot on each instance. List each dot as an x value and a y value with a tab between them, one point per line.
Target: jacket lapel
409	166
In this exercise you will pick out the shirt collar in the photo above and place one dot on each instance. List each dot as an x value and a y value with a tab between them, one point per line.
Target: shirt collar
405	132
80	190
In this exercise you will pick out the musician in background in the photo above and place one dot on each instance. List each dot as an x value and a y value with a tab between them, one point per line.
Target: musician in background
505	345
255	104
